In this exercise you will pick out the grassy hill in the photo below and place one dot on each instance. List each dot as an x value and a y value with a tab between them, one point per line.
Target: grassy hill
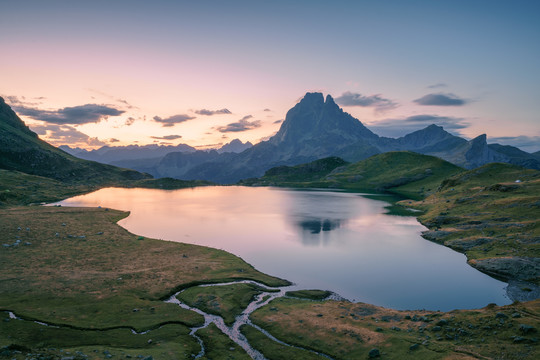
33	171
403	172
492	214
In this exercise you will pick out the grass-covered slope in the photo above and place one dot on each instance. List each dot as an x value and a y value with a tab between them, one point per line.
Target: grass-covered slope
22	150
492	214
76	268
407	173
345	330
299	175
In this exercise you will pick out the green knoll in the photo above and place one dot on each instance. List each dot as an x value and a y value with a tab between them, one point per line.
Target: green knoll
492	214
402	172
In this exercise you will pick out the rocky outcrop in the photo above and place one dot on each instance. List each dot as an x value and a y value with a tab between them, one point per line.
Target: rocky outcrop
509	268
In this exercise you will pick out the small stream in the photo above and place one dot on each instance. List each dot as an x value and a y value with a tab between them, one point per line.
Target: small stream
233	332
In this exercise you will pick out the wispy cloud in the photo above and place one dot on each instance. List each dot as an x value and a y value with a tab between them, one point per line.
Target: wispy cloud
377	102
114	98
66	135
241	125
167	137
526	143
403	126
173	120
75	115
212	112
441	99
437	86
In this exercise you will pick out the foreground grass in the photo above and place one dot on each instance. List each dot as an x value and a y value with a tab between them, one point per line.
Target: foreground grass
345	330
220	346
273	350
226	301
75	267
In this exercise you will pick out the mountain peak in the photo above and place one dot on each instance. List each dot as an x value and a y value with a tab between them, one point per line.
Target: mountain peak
8	116
312	98
330	100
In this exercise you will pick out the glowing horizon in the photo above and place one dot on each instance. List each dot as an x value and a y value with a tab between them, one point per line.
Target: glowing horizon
97	74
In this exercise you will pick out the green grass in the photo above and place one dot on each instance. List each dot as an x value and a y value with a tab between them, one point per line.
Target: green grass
484	213
273	350
405	173
347	330
220	346
227	301
173	340
106	280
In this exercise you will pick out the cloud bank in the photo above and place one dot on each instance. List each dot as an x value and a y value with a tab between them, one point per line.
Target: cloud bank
167	137
173	120
241	125
75	115
441	99
212	112
375	101
402	126
66	135
525	143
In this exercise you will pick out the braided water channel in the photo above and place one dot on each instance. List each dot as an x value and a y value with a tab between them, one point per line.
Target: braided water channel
233	332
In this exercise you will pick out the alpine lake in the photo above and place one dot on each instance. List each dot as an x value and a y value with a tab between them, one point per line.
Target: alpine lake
318	239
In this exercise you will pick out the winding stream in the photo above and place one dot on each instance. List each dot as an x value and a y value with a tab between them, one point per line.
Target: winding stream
233	331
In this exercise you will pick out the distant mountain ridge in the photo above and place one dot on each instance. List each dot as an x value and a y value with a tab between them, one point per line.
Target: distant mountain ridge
22	150
315	128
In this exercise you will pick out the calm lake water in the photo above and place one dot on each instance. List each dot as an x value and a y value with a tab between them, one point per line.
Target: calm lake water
337	241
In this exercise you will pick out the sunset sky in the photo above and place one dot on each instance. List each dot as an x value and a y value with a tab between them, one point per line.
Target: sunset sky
94	73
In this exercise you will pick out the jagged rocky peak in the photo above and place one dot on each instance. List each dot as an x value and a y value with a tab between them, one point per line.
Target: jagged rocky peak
235	146
314	117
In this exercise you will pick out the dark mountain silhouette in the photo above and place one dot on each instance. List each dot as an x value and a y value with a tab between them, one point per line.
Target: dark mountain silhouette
235	146
314	128
112	154
22	150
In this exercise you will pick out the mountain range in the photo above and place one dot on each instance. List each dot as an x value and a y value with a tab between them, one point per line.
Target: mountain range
21	150
316	127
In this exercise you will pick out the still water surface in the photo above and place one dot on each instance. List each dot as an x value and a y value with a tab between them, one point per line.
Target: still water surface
337	241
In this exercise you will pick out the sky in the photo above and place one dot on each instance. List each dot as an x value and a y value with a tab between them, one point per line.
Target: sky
95	73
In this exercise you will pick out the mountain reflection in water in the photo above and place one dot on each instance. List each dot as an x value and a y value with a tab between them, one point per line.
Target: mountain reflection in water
326	240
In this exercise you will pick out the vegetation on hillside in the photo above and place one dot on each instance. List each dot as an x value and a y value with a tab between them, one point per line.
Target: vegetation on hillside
492	214
402	172
74	267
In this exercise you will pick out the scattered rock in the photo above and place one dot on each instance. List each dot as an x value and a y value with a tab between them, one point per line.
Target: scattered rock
414	347
519	339
501	315
442	322
374	353
526	329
